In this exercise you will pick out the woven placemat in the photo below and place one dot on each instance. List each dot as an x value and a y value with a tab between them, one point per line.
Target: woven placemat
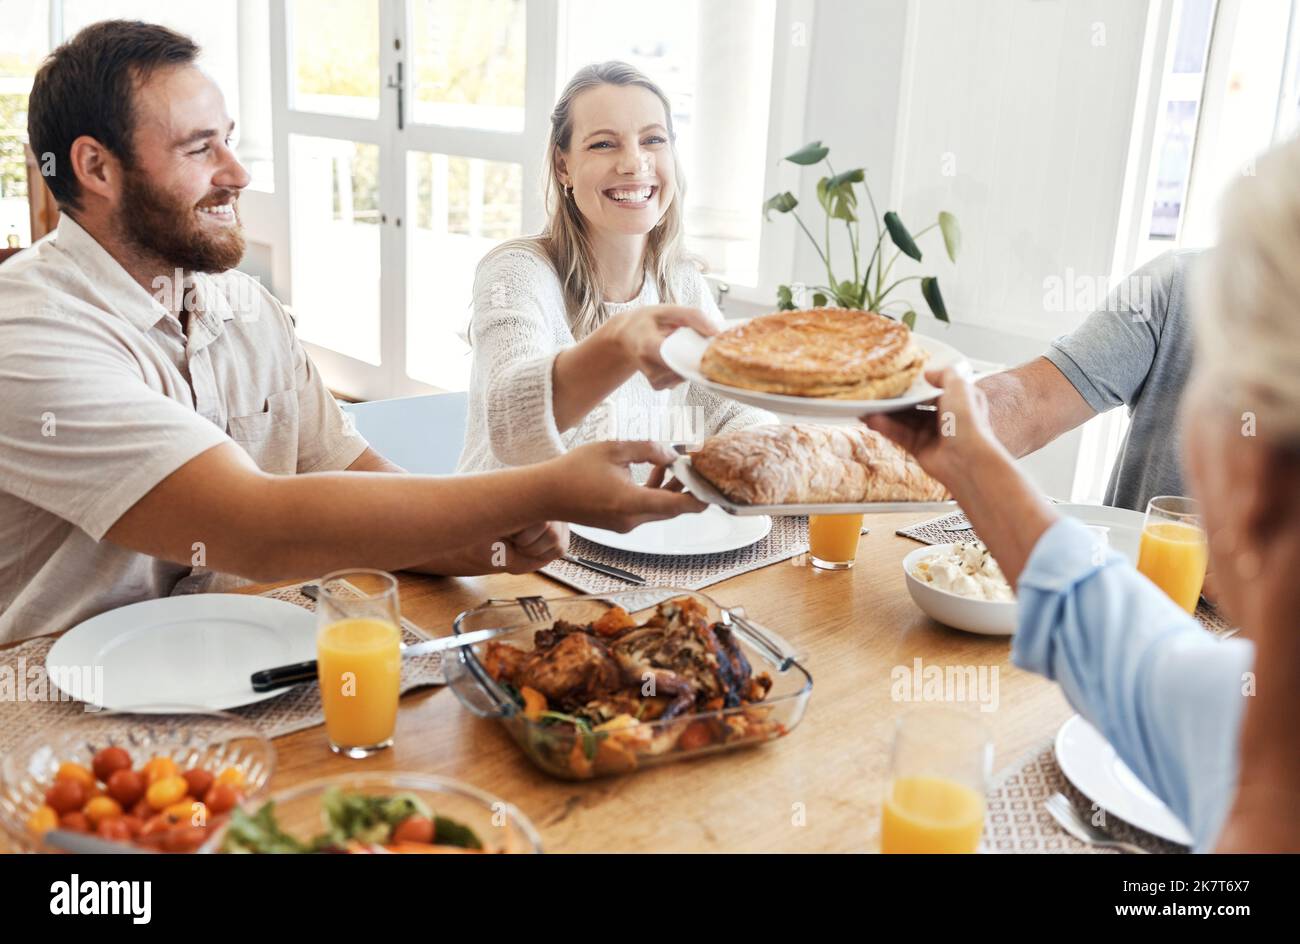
931	532
788	538
37	704
1016	819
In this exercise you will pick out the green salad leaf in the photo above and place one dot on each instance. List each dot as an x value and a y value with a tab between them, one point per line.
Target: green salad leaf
258	832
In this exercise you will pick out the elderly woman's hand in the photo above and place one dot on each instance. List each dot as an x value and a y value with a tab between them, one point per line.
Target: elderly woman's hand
953	440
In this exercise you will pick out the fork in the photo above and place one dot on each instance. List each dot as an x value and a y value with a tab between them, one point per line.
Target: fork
1063	811
535	609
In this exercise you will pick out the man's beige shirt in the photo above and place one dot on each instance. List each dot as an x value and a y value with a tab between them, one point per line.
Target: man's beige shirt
103	394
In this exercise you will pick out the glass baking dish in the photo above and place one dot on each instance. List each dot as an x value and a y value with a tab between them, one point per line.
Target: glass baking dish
565	750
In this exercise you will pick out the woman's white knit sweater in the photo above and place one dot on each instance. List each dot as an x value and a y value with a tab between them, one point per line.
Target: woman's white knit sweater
520	324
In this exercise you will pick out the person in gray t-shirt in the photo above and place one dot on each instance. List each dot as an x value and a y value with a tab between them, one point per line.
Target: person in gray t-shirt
1135	351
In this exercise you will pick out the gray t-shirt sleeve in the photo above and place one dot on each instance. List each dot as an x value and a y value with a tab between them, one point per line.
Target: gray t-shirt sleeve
1108	357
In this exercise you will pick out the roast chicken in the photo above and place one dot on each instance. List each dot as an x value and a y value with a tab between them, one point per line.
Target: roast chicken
676	662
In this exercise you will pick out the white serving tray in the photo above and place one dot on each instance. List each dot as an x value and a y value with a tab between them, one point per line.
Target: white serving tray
702	489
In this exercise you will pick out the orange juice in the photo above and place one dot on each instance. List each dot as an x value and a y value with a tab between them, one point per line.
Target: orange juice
359	663
1174	556
834	538
931	814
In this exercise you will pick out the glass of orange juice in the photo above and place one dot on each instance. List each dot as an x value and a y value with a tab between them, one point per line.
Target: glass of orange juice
833	540
939	773
1174	552
359	659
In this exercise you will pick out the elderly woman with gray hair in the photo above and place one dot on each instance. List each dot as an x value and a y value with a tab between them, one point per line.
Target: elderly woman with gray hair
1208	725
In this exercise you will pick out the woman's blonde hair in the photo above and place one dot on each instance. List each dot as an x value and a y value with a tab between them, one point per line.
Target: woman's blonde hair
1247	298
564	242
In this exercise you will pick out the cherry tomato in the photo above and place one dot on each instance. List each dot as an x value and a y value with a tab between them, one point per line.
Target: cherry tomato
157	768
100	809
198	780
72	771
187	812
184	838
126	787
221	798
75	821
66	796
111	759
142	810
114	830
414	829
231	775
166	791
43	819
134	824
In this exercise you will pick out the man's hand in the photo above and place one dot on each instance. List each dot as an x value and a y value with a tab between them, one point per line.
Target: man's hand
536	546
594	486
948	440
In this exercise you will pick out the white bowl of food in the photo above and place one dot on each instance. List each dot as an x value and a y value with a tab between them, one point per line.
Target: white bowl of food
961	585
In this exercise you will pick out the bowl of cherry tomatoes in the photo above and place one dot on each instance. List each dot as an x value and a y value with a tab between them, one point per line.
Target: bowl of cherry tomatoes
161	777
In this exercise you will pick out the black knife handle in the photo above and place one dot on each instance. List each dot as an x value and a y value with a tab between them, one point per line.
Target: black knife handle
269	679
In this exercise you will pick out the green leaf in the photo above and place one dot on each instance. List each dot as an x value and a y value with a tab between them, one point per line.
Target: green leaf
844	205
784	298
846	293
824	194
901	237
449	832
819	300
855	176
810	153
933	298
909	319
951	234
782	203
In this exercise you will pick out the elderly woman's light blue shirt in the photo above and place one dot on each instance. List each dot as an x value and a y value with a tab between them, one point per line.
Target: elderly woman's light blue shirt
1165	693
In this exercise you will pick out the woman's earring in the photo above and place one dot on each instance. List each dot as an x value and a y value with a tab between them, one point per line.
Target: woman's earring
568	191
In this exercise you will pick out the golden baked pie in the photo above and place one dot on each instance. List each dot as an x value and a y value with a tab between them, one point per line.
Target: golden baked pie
807	464
835	353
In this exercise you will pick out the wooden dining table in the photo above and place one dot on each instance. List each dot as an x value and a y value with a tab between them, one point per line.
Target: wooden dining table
818	789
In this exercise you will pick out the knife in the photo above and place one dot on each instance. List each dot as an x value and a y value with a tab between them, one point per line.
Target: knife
605	569
268	679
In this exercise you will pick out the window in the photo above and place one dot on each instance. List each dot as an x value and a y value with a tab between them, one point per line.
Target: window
468	63
23	44
1175	136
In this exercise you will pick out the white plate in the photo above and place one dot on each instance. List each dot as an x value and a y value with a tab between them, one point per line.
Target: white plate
1124	526
707	532
705	491
683	349
198	649
1092	765
985	617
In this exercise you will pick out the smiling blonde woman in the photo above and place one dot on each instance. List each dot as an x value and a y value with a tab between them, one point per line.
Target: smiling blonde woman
567	324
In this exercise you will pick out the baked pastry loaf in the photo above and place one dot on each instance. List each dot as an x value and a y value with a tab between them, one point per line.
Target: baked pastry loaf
805	464
837	353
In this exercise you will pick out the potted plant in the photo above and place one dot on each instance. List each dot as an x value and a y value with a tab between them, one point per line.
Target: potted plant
870	287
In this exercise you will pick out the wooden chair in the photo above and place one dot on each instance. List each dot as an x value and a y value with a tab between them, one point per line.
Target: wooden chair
44	211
